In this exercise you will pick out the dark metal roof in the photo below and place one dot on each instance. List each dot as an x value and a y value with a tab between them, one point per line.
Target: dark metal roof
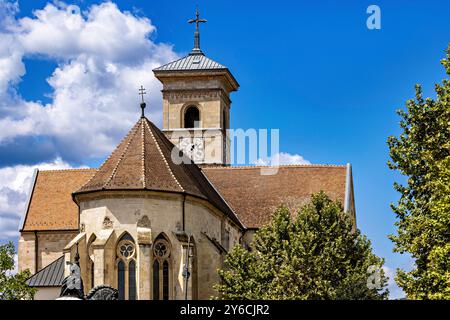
191	62
50	276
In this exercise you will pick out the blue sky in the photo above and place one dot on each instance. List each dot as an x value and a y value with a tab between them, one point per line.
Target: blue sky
311	69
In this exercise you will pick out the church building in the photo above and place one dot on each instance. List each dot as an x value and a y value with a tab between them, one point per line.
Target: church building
155	228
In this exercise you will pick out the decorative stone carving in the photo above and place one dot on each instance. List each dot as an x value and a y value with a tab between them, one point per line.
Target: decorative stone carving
103	292
189	95
144	231
72	287
144	222
126	250
161	249
107	223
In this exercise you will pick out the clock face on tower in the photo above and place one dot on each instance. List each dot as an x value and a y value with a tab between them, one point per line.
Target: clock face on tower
193	148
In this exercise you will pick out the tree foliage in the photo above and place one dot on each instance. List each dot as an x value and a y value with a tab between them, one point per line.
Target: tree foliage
315	255
12	286
422	153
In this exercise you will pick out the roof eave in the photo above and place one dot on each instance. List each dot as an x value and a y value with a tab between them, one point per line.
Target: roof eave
182	73
234	217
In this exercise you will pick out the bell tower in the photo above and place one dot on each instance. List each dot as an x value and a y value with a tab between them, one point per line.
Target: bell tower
196	104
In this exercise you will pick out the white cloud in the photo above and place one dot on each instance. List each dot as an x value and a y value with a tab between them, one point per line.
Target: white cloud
15	185
103	56
395	292
104	32
282	158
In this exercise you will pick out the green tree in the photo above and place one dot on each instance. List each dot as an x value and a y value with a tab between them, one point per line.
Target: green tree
12	286
317	254
421	153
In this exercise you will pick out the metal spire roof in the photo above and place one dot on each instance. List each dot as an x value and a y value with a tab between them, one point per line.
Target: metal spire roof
191	62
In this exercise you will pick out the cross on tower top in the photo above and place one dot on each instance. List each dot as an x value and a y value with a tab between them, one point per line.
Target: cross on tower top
141	93
197	20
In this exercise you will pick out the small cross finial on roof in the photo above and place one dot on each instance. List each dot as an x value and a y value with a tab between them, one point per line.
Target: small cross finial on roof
141	93
197	20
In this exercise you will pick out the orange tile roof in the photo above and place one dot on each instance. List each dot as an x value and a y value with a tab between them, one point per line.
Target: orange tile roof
254	196
143	161
51	206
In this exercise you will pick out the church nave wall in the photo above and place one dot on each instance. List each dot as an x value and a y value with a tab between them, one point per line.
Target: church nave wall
49	246
26	255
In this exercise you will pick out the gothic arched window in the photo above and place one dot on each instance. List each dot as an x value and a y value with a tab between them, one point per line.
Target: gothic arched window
126	268
161	269
192	117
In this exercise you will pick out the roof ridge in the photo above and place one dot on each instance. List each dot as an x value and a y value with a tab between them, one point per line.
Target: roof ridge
201	182
186	167
195	173
109	156
143	156
221	197
279	166
162	155
120	158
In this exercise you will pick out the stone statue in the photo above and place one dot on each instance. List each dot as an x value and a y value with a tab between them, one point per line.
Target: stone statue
72	285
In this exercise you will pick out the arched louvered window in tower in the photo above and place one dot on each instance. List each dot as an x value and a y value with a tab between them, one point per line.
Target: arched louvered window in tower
192	117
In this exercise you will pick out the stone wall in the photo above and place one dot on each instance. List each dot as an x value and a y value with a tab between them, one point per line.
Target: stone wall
163	215
209	103
211	95
26	252
214	148
50	245
47	293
